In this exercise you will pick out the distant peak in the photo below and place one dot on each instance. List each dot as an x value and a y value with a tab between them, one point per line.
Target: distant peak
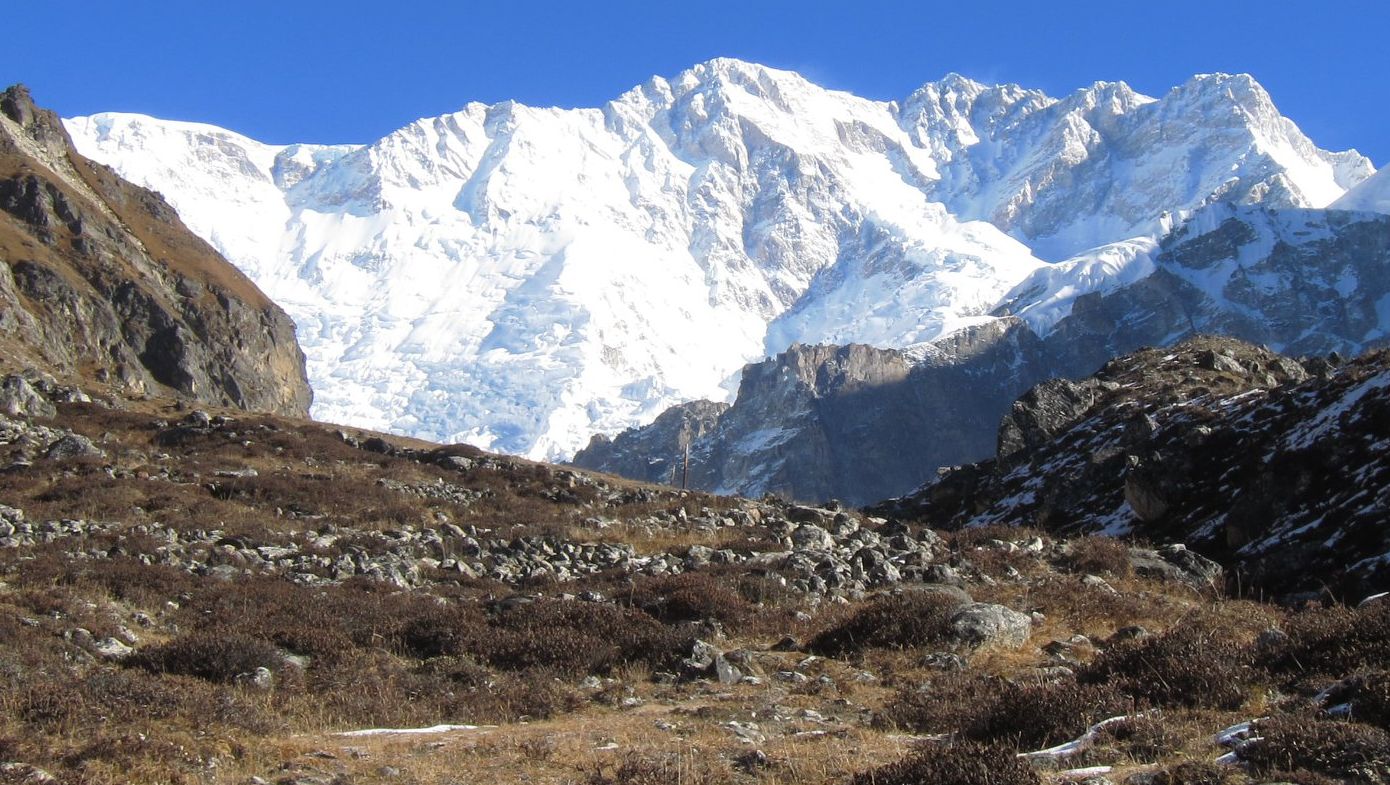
1118	95
734	70
955	81
1238	85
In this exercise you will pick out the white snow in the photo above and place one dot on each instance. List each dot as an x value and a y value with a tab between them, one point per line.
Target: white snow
1371	196
408	731
1372	598
520	278
1078	745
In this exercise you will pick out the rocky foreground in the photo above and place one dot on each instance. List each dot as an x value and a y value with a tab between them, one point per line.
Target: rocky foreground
203	595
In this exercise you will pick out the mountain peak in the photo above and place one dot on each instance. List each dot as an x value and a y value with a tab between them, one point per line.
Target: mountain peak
532	276
1243	89
757	79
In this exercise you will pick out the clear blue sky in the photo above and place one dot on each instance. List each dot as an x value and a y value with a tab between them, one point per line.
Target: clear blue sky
352	71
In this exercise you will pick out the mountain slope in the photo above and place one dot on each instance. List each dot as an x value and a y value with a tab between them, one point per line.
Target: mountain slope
102	284
521	278
1298	280
1214	443
1372	195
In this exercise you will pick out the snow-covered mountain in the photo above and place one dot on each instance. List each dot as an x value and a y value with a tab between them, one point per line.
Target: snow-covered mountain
521	278
861	424
1371	196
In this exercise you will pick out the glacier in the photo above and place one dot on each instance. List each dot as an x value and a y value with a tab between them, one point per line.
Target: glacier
521	278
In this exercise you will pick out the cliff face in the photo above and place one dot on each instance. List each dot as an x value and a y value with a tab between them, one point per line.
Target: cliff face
101	283
852	423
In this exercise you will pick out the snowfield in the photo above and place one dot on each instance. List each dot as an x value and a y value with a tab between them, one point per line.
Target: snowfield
520	278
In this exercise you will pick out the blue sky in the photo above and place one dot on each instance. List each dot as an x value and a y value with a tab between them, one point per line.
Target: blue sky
353	71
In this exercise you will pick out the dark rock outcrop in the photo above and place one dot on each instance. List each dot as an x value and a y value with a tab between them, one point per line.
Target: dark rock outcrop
1241	453
103	285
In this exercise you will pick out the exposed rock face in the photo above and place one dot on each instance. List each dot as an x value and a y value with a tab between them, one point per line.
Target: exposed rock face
1300	281
647	454
852	423
101	283
1276	469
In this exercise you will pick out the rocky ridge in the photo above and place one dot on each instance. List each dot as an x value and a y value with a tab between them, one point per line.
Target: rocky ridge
1276	468
104	286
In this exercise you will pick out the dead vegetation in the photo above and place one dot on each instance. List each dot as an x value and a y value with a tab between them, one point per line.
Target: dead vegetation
234	670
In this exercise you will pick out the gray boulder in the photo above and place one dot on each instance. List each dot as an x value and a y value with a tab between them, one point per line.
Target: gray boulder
985	625
18	398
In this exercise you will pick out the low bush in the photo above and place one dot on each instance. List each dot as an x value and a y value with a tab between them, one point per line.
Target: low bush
1343	750
1195	663
899	621
579	638
1021	717
443	630
1370	702
212	656
691	596
1099	555
1194	773
1333	641
1142	739
670	769
961	764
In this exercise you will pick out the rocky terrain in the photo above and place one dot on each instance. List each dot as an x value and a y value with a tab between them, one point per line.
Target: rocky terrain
1277	468
821	423
101	283
853	423
214	596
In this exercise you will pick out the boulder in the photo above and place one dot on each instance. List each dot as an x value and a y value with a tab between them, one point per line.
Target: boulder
985	625
18	398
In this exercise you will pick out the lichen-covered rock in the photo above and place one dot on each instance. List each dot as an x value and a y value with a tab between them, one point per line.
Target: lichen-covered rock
984	625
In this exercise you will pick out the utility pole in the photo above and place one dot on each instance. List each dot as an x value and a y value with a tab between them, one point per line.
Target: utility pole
685	469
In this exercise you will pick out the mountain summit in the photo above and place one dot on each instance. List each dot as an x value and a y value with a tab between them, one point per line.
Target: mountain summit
521	277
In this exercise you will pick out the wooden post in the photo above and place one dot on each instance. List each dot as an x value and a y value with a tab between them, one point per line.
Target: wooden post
685	470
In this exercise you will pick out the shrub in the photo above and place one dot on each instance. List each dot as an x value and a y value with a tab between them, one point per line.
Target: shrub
212	656
438	631
1018	716
1142	739
578	637
961	764
672	599
670	769
1370	701
1193	664
50	704
1343	750
896	621
1099	555
1334	641
1194	773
